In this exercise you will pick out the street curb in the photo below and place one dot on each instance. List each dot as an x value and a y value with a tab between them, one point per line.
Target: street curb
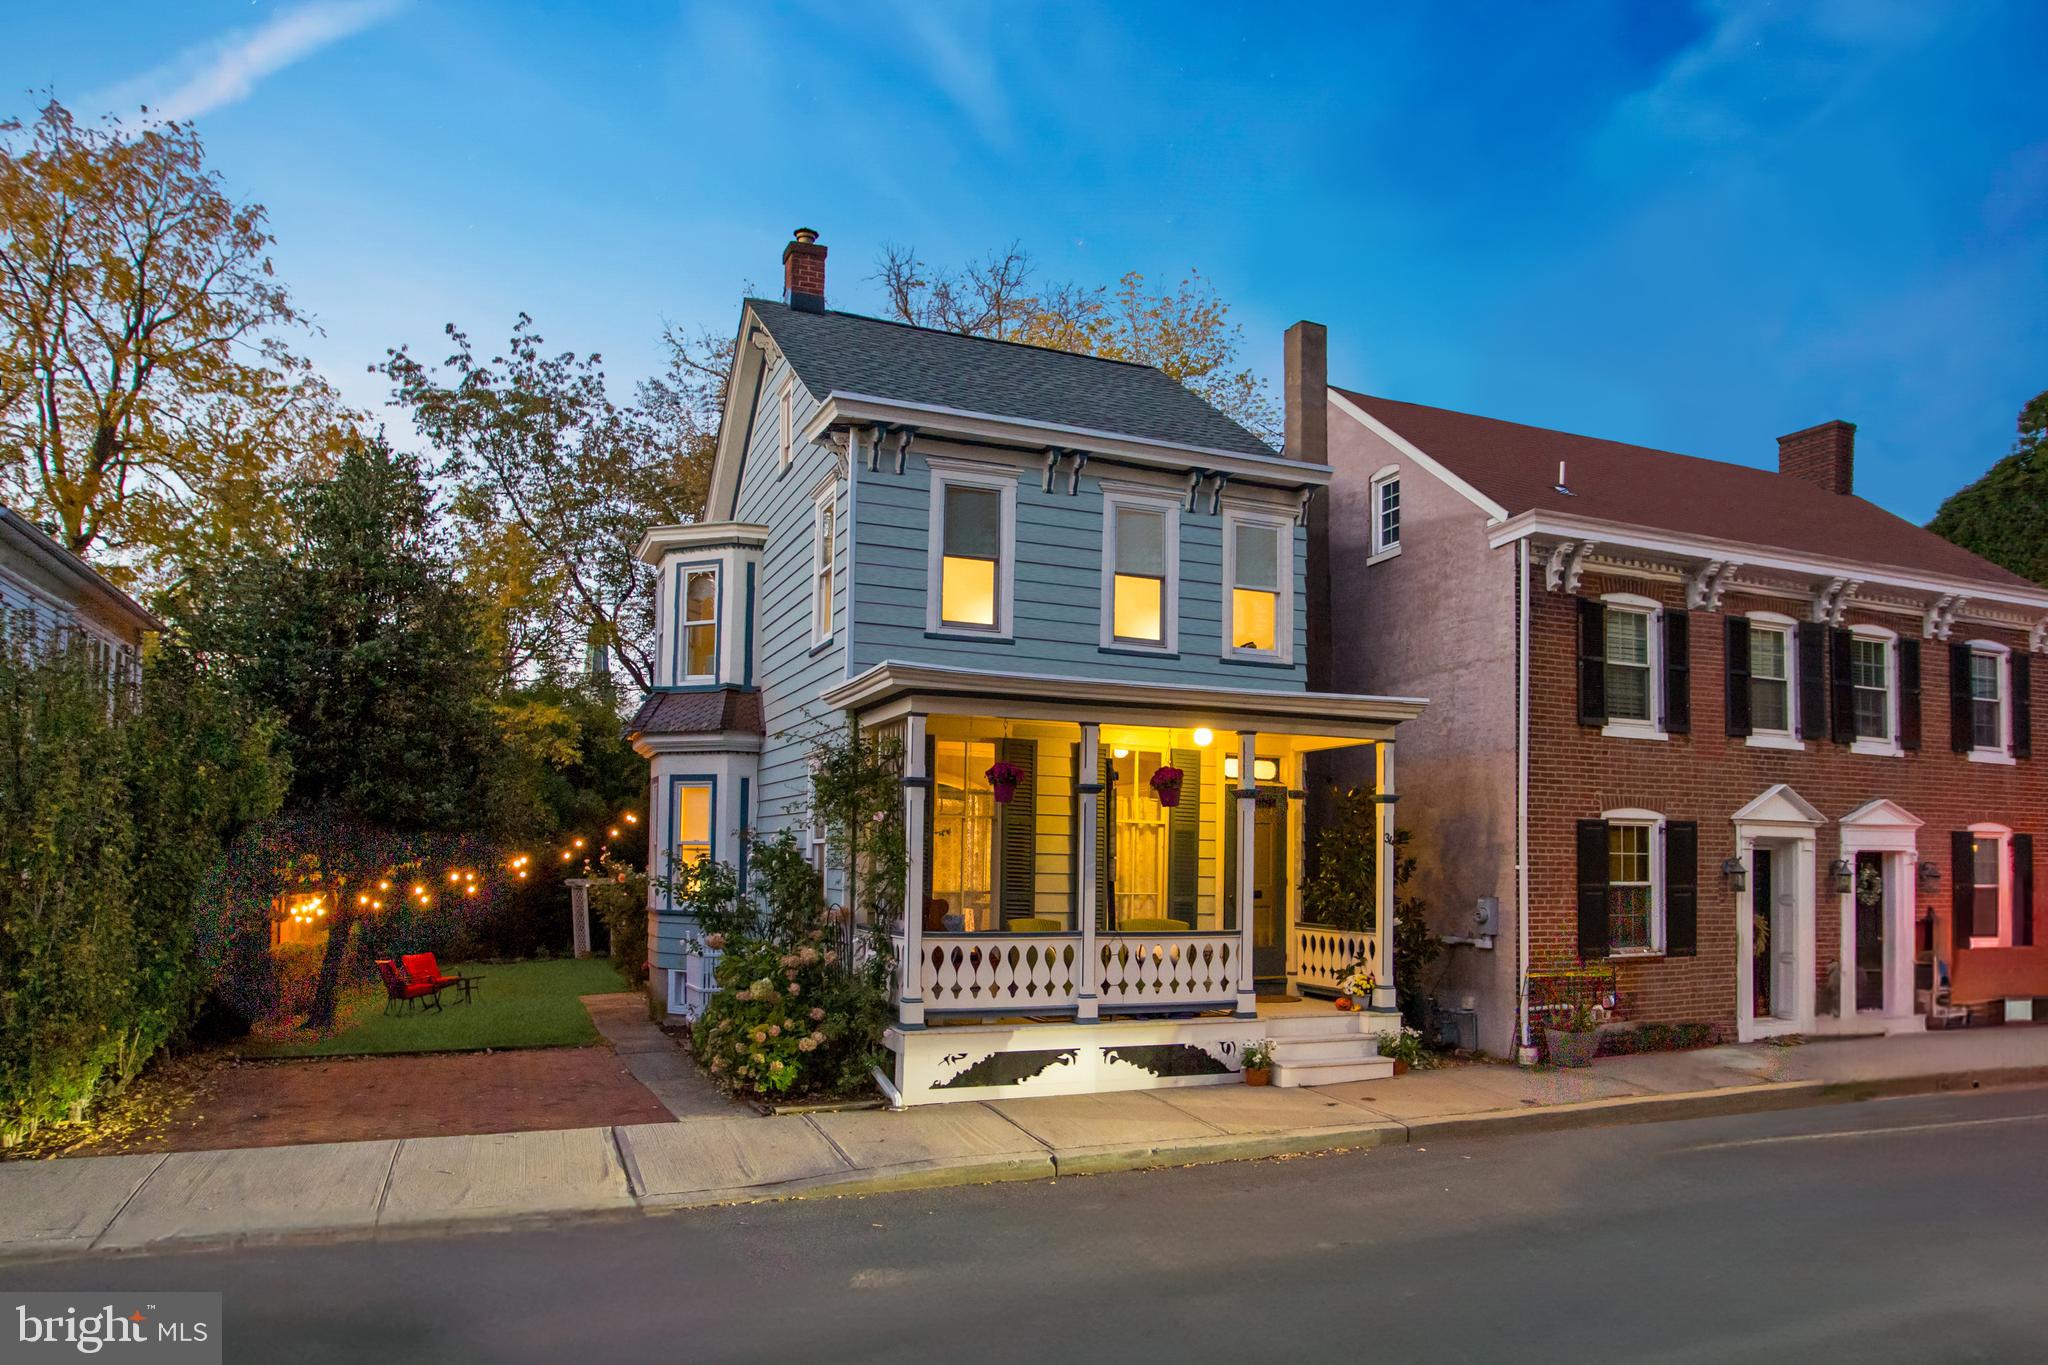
1054	1163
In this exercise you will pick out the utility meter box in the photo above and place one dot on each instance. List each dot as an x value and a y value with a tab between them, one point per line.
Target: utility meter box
1486	917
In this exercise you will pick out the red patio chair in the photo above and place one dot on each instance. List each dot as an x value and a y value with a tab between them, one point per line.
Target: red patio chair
401	991
421	967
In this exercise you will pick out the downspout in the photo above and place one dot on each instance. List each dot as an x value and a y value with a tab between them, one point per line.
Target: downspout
1522	1051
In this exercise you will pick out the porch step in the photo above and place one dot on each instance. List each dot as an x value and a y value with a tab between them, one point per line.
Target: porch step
1332	1072
1320	1025
1333	1047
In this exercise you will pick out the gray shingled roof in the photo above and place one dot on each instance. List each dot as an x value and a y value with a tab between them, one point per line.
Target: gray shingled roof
726	710
848	353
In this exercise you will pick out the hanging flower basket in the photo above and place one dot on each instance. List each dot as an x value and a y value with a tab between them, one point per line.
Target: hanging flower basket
1003	779
1166	785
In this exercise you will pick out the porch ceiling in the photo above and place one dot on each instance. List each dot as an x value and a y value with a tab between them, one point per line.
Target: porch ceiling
889	691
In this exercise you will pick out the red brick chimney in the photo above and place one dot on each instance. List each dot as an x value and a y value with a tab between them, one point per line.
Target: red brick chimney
803	272
1824	456
1307	392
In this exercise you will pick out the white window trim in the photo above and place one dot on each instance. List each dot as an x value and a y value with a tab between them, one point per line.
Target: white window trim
1890	747
1283	612
1653	821
1787	738
2003	835
683	623
1149	500
785	413
824	559
969	474
2002	754
1653	728
1382	550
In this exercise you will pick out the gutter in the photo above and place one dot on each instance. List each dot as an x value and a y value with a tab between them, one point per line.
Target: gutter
36	541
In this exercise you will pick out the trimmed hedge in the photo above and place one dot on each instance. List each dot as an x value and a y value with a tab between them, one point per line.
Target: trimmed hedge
115	809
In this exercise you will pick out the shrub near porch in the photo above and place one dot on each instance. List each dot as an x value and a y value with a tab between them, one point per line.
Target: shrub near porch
517	1005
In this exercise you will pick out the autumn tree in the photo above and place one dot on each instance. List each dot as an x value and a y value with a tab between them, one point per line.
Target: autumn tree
683	406
144	383
2004	515
562	477
1185	330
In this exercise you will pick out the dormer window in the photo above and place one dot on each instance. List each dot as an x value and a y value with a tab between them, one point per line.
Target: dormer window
1259	623
699	613
973	535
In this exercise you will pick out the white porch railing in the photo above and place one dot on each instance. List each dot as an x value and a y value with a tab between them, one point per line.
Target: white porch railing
1022	972
1322	957
1190	970
695	983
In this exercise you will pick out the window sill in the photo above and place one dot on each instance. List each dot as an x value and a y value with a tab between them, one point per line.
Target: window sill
1980	943
1142	650
999	637
1784	742
1257	661
1632	729
1877	748
1382	556
1996	756
1637	955
820	646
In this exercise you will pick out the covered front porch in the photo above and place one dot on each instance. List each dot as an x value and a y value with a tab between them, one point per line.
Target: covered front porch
1104	883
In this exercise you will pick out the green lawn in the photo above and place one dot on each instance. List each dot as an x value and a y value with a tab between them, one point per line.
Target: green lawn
518	1004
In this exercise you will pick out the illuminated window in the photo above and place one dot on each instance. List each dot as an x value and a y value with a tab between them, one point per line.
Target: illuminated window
700	624
973	515
1256	587
1141	839
822	551
693	824
1990	886
964	831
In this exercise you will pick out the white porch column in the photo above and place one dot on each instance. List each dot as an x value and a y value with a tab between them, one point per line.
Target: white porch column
1247	798
1087	783
917	785
1384	797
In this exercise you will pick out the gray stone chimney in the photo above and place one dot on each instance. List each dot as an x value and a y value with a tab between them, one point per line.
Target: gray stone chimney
1824	456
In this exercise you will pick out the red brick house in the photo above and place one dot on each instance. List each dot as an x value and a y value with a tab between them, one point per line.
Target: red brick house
1759	744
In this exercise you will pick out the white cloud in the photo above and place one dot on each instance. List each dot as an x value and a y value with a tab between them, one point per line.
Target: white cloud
227	69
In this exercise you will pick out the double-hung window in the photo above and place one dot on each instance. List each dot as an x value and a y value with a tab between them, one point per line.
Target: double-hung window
1629	694
973	540
1870	687
1987	701
697	614
693	824
1257	563
1770	679
1632	888
964	833
1988	888
822	552
1141	565
1386	513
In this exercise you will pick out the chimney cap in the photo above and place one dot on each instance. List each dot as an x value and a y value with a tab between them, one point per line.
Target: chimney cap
805	235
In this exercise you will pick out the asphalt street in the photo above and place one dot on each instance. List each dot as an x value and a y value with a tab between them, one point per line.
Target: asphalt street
1907	1230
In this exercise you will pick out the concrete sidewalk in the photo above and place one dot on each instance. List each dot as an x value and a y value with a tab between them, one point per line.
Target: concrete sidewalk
128	1203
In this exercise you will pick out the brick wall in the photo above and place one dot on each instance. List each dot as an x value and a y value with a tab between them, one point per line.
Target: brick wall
1576	773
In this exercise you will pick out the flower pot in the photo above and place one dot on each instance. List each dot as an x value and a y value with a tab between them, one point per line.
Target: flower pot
1169	796
1400	1067
1003	792
1571	1049
1261	1076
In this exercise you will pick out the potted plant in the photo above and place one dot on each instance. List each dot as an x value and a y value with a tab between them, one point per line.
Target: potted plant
1003	779
1258	1062
1575	1040
1354	992
1166	785
1404	1049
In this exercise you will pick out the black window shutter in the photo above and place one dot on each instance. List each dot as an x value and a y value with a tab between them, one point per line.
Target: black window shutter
1017	872
1677	672
1844	702
1962	894
2022	706
2022	890
1909	694
1592	662
1959	698
1681	888
1593	935
1813	682
1184	840
1738	676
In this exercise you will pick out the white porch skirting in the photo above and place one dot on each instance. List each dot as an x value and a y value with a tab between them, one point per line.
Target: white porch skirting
1005	1061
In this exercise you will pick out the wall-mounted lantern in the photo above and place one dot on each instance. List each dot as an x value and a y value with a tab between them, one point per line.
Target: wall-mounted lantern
1930	875
1842	876
1733	874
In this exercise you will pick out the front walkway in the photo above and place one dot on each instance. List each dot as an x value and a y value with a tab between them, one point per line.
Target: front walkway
370	1188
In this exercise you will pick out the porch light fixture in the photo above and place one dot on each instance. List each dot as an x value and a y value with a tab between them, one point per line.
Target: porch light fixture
1930	875
1204	736
1734	873
1842	876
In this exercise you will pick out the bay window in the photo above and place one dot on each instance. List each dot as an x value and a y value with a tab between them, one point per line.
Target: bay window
697	616
693	803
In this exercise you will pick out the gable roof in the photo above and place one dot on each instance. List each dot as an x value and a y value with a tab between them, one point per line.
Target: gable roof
851	354
1515	466
34	543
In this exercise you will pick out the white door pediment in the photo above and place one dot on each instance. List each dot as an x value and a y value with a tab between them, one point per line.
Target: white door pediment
1780	805
1881	814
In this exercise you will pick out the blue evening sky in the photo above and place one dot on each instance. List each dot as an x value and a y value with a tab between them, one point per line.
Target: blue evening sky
1694	226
